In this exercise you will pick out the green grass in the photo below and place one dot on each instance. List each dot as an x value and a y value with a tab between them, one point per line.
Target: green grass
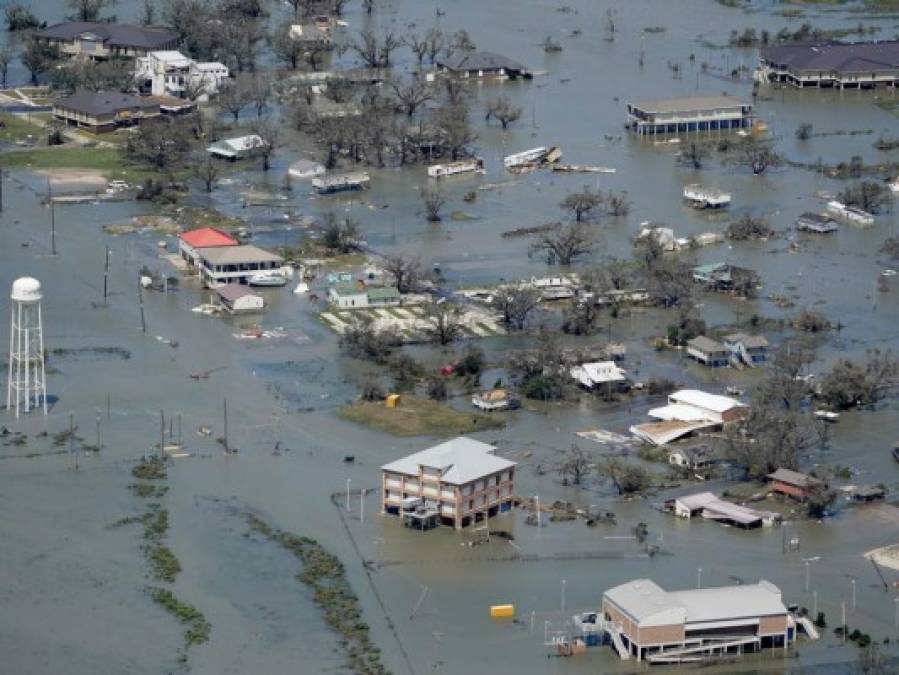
107	161
18	129
418	417
164	563
198	628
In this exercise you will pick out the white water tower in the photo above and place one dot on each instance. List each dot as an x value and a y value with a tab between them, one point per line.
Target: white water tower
27	384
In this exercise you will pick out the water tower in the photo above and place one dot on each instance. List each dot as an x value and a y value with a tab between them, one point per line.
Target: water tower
27	384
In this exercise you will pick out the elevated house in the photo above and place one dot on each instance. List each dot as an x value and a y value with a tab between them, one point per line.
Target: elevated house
482	64
689	411
234	264
171	73
103	111
312	35
840	65
202	238
461	480
815	223
99	40
794	484
358	295
688	114
695	458
747	350
599	375
708	352
241	147
659	626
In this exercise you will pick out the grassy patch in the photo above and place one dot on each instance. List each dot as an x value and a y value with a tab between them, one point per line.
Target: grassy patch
198	628
148	491
193	217
164	563
417	417
150	469
653	453
17	128
325	575
108	161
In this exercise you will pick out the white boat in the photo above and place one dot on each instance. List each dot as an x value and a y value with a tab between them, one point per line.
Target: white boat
894	184
268	279
301	288
304	169
453	168
706	198
827	415
357	180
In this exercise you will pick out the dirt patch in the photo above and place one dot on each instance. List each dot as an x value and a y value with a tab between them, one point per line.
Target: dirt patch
885	556
80	178
418	417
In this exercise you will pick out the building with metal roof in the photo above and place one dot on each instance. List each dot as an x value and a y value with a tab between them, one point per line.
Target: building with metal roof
236	299
688	114
841	65
462	478
793	484
592	375
102	40
202	237
671	626
237	148
688	411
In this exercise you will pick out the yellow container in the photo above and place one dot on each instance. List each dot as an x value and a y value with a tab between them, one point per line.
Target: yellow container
502	611
393	400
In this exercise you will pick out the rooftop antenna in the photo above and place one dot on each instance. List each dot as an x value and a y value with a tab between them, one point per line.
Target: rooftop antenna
26	382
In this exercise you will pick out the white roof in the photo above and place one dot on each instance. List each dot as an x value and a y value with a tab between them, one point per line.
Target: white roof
647	603
242	143
731	602
715	508
460	461
651	605
682	413
701	399
210	65
598	372
172	58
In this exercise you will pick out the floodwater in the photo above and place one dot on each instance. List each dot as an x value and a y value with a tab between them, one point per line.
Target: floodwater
73	591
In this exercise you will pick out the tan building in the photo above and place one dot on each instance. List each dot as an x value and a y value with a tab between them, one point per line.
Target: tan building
102	111
648	622
460	481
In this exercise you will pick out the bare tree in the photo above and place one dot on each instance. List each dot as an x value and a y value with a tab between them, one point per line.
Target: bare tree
87	10
452	120
515	303
758	156
669	282
369	5
582	203
259	91
374	52
617	204
418	44
853	383
627	478
341	237
574	466
148	16
445	321
433	199
693	154
749	227
233	96
267	143
455	91
286	47
405	270
206	169
502	110
564	243
436	41
161	145
866	195
412	96
5	58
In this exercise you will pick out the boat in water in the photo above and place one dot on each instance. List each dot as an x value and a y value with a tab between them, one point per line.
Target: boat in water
267	279
827	415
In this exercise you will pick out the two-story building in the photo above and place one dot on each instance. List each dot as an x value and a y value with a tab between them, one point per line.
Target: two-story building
708	352
203	237
235	264
749	350
688	114
171	73
462	480
98	40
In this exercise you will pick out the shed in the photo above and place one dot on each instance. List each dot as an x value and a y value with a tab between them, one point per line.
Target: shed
236	299
793	484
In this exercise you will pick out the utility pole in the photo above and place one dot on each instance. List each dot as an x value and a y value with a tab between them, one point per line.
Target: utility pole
161	434
140	301
348	481
698	577
563	595
97	418
105	275
52	228
72	448
1	187
362	505
225	435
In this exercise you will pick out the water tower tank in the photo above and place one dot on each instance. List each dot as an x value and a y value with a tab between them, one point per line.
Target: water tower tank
26	290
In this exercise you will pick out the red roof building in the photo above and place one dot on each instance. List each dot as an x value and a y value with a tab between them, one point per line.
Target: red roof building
203	237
